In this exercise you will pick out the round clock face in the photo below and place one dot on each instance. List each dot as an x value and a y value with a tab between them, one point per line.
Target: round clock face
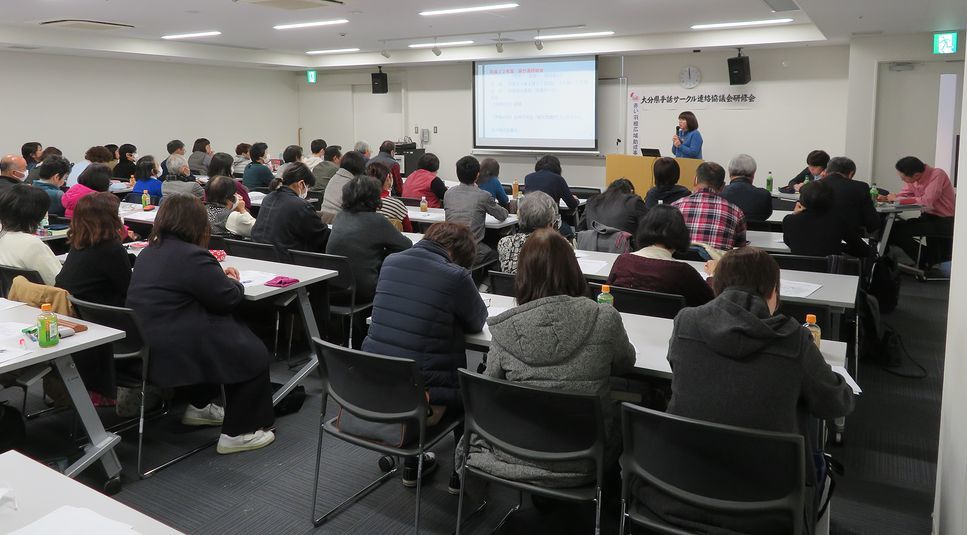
690	77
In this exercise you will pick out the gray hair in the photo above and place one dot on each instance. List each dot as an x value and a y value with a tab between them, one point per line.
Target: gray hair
536	210
361	147
176	162
742	165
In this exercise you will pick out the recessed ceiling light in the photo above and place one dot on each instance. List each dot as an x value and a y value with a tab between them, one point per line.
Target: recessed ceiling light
190	35
740	24
446	43
573	35
310	24
333	51
458	10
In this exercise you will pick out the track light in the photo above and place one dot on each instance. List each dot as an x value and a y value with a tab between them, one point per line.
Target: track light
385	53
500	44
436	51
539	44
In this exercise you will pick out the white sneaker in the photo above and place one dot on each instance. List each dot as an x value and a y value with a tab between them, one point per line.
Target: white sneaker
246	442
210	414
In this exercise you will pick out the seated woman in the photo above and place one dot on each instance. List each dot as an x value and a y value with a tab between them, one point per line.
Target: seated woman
94	179
146	177
286	220
364	236
618	207
652	267
425	302
666	190
813	229
98	270
291	155
201	156
489	181
221	165
22	208
226	211
424	182
390	207
126	166
180	181
196	340
735	362
257	173
536	210
555	338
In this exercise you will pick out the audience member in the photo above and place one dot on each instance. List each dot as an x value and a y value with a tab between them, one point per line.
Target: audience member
711	219
48	151
180	181
201	156
425	302
386	156
364	236
424	182
13	170
652	268
547	178
816	162
32	152
930	188
291	155
97	154
180	292
52	173
115	157
755	203
22	208
257	174
286	220
126	166
351	164
316	148
618	207
489	181
363	148
735	362
469	205
175	146
851	198
147	177
222	164
241	160
390	207
535	210
324	171
95	178
666	190
811	229
226	209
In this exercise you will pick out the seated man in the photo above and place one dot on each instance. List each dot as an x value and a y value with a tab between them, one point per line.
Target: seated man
387	157
547	178
816	162
811	230
711	219
755	202
851	198
930	188
469	205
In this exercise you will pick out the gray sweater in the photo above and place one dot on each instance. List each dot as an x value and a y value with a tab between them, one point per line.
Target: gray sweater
470	205
365	238
332	198
561	343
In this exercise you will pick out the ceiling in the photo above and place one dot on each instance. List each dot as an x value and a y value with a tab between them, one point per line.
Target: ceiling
248	37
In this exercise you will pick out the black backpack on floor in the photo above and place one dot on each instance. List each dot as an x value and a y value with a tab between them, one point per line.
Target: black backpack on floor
12	429
884	283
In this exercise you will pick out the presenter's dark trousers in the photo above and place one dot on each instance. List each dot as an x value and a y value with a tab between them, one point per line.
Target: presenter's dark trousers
939	231
248	405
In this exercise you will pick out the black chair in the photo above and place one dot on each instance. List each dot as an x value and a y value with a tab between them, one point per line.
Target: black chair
534	424
381	389
217	243
341	286
713	468
132	346
58	220
237	175
251	249
582	192
135	198
264	190
409	201
8	273
816	264
643	302
502	283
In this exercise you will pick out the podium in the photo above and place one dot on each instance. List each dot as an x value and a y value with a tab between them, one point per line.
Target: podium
640	170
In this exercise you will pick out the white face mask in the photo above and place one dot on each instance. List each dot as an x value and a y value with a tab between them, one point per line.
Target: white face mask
24	177
305	191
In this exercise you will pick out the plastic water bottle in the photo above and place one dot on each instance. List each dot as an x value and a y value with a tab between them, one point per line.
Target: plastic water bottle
47	333
769	182
145	199
424	207
605	296
874	193
515	189
42	228
813	328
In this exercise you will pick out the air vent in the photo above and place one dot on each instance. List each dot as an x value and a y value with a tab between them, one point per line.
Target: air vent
292	5
80	24
779	6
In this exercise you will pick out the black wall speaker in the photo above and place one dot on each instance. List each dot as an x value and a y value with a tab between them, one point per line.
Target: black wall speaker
739	71
380	83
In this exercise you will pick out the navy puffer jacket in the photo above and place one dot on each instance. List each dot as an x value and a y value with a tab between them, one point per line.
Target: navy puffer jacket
424	305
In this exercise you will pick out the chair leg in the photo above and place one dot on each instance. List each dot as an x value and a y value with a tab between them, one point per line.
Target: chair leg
144	474
275	348
419	479
624	515
597	513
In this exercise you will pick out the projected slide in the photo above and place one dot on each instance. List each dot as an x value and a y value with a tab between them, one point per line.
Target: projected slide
535	104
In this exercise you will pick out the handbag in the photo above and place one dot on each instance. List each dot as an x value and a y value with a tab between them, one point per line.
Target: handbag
394	434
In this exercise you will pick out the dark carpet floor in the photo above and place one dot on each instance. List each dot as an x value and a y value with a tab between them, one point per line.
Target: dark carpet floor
889	453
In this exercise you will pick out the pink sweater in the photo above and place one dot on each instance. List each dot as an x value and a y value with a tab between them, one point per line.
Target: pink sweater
74	194
933	192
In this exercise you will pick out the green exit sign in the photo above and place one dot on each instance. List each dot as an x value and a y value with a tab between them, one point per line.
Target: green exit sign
311	75
945	43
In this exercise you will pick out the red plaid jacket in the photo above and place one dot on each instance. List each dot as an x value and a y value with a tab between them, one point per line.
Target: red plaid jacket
713	220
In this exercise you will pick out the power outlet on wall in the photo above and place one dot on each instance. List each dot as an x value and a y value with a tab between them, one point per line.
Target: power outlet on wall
416	129
434	130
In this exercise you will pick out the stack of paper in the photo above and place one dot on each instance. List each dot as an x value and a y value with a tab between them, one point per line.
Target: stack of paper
789	288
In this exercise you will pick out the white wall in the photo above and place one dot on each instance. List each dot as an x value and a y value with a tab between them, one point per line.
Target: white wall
73	103
804	91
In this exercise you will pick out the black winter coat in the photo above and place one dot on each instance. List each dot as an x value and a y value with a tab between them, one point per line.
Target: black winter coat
756	203
289	223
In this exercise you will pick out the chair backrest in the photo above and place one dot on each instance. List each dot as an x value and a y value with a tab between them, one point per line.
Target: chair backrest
238	175
531	423
410	201
120	318
135	198
502	283
643	302
58	220
783	204
216	243
844	265
264	190
373	387
7	274
345	281
251	249
582	192
798	311
817	264
719	468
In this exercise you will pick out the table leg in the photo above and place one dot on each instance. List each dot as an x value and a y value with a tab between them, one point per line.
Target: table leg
312	330
102	443
885	237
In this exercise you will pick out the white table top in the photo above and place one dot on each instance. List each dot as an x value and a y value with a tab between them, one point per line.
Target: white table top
648	334
134	213
778	215
95	335
882	208
784	196
413	236
55	235
40	490
306	275
438	215
767	241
